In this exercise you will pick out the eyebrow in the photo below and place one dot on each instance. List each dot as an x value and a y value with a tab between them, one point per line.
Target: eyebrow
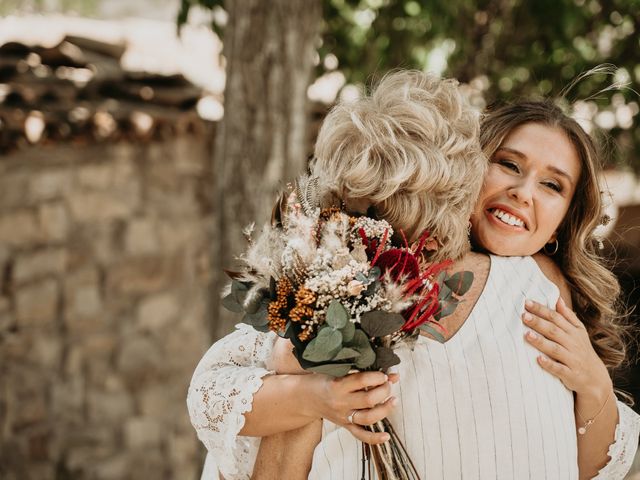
553	168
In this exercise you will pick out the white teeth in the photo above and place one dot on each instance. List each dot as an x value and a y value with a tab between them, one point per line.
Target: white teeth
507	218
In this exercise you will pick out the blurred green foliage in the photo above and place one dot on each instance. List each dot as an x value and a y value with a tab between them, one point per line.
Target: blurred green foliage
508	49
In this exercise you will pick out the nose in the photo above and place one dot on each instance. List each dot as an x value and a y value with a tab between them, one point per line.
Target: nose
522	192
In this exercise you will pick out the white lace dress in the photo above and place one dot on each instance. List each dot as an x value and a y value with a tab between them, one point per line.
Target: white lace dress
449	440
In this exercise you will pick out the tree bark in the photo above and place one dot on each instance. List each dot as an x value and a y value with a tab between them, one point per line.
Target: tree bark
261	142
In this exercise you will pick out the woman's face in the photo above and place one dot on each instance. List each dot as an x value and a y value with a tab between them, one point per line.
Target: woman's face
527	191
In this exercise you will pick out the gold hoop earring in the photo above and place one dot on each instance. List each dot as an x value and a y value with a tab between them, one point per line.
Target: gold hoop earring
555	250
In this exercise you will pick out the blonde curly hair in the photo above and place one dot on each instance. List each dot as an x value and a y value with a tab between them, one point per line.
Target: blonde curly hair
410	151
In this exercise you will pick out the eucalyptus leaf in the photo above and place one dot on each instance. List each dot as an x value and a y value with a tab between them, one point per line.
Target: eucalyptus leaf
361	277
229	302
239	291
366	358
256	300
346	354
323	348
333	369
337	315
385	358
257	319
348	331
374	273
360	340
447	307
372	288
378	323
445	292
460	282
433	332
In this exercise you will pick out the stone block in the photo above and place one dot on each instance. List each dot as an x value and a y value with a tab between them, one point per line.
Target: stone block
113	468
179	234
30	266
184	452
37	304
141	237
140	276
83	302
54	221
28	410
110	407
50	184
46	351
156	311
14	189
100	206
97	176
19	229
154	401
143	432
140	358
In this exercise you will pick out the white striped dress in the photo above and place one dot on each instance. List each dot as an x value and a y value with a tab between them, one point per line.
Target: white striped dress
478	406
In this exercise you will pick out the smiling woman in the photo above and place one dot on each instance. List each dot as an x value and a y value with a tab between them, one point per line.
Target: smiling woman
527	191
542	192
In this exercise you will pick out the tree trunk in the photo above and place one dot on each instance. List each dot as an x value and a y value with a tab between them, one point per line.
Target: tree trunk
261	142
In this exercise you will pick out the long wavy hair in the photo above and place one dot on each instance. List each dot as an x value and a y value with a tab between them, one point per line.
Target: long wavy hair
595	290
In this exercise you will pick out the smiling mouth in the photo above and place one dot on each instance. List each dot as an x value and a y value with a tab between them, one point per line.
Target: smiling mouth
507	218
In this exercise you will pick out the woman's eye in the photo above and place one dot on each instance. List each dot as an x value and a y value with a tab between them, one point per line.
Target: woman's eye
553	186
510	165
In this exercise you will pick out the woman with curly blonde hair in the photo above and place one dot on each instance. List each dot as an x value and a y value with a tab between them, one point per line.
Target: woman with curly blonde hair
477	405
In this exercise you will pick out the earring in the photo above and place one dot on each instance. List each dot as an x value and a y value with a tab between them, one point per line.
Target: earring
555	250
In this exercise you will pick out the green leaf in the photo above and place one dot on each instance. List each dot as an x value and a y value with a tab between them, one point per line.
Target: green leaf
374	274
256	301
346	354
433	332
239	291
372	288
385	358
333	369
445	293
366	358
348	331
337	315
257	319
460	282
229	302
446	308
360	340
326	344
378	323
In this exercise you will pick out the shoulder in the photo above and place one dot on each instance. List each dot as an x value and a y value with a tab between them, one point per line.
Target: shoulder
552	271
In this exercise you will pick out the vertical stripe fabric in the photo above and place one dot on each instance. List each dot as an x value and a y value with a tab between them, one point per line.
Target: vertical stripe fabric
478	406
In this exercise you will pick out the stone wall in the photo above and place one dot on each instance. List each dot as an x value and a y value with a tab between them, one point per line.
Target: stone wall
104	281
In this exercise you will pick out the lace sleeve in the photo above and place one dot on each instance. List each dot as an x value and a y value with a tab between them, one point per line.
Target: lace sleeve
623	449
222	390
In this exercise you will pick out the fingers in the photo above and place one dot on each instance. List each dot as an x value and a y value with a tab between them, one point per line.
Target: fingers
547	314
546	328
372	415
555	368
364	435
569	314
549	348
363	380
371	398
